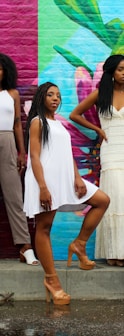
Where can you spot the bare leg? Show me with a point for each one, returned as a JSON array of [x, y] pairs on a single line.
[[99, 203], [42, 240], [44, 251]]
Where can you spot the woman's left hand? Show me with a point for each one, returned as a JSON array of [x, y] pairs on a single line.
[[21, 163], [80, 187]]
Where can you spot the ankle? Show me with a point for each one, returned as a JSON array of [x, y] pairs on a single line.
[[80, 246], [53, 281], [81, 242], [26, 247]]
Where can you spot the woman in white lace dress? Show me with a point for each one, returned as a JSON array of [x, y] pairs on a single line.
[[109, 100]]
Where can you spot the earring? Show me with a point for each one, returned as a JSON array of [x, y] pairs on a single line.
[[113, 79]]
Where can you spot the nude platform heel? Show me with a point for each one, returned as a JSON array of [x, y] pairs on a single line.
[[85, 263], [59, 297]]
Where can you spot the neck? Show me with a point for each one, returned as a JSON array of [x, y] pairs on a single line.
[[50, 116], [119, 87]]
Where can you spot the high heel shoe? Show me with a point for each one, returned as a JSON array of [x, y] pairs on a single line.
[[85, 263], [59, 297], [29, 257]]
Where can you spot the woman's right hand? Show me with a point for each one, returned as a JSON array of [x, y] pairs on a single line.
[[102, 135], [45, 198]]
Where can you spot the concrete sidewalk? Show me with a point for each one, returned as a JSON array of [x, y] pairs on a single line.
[[26, 282]]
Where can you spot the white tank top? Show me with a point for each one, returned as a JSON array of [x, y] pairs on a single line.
[[7, 112]]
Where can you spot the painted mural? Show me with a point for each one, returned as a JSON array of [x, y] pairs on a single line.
[[65, 42], [81, 34]]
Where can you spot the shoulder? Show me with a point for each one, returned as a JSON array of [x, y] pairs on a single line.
[[36, 124], [91, 98], [94, 94], [14, 94]]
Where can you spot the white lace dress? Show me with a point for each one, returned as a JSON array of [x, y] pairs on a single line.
[[110, 232], [57, 161]]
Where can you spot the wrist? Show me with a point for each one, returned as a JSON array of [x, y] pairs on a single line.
[[22, 153], [42, 186]]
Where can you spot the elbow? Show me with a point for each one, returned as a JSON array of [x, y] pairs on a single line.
[[34, 158], [71, 116]]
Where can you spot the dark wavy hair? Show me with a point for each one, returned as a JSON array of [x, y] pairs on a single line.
[[106, 84], [38, 109], [9, 72]]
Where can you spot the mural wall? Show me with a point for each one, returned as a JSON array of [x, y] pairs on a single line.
[[65, 42], [18, 39]]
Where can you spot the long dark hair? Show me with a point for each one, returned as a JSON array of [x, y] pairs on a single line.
[[38, 109], [106, 84], [9, 80]]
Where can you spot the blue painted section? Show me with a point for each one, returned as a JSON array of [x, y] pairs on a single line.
[[65, 228]]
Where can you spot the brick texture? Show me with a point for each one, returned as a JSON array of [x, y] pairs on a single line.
[[19, 40]]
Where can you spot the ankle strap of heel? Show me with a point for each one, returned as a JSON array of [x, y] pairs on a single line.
[[82, 242], [50, 275]]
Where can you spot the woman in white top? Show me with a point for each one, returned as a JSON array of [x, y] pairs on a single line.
[[11, 164], [52, 182], [109, 100]]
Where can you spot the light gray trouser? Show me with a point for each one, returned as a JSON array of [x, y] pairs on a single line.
[[12, 188]]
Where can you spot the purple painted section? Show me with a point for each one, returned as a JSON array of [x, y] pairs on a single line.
[[19, 37]]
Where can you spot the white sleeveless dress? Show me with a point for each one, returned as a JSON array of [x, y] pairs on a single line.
[[110, 231], [57, 161], [7, 112]]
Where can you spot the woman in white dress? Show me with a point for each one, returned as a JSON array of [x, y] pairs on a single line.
[[52, 182], [109, 100]]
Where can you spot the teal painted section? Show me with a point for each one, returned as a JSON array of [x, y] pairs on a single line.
[[65, 228]]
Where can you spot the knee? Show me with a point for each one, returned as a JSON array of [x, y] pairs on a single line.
[[43, 227], [106, 200], [102, 199]]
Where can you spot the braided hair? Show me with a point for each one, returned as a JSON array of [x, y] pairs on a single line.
[[38, 109], [106, 84]]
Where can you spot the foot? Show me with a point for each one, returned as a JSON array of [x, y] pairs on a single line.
[[25, 247], [53, 281], [79, 248], [27, 255], [111, 262], [54, 289], [120, 263], [115, 262]]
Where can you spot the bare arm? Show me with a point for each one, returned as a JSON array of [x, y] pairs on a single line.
[[35, 150], [77, 114], [18, 132]]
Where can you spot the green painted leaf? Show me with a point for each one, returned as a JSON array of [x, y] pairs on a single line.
[[114, 28], [119, 47], [87, 14], [72, 59]]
